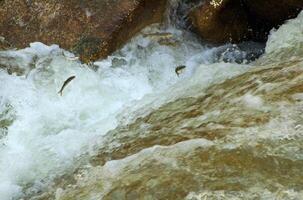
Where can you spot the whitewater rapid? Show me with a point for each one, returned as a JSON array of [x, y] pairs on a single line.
[[44, 133]]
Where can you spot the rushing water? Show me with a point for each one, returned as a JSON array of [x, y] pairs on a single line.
[[44, 136]]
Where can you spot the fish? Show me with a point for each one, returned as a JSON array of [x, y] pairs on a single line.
[[158, 35], [179, 69], [65, 84], [70, 58], [168, 42]]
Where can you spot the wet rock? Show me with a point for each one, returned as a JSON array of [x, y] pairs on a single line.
[[12, 64], [7, 116], [267, 14], [93, 29], [272, 12], [221, 21], [118, 62], [4, 45], [242, 53]]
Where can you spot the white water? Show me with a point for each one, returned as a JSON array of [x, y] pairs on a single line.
[[49, 132]]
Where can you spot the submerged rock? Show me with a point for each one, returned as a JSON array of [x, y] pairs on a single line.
[[93, 29], [7, 116], [223, 21], [245, 52]]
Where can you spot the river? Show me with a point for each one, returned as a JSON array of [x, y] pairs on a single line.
[[128, 127]]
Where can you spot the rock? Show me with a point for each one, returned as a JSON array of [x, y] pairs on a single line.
[[4, 44], [273, 12], [244, 52], [92, 29], [267, 14], [221, 21]]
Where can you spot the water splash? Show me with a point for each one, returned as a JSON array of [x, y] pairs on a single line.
[[49, 132], [251, 146]]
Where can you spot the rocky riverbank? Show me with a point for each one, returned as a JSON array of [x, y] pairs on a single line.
[[95, 29]]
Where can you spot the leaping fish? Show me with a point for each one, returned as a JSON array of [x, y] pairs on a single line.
[[65, 84], [179, 69], [159, 35], [69, 57]]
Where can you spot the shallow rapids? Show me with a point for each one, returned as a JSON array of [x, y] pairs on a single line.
[[187, 125]]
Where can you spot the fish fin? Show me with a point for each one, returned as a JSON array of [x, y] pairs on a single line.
[[60, 92]]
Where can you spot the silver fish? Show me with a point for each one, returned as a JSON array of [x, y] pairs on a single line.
[[65, 84]]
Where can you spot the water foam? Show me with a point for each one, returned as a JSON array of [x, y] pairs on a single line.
[[50, 132], [286, 42]]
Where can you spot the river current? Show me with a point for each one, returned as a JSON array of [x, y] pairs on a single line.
[[45, 136]]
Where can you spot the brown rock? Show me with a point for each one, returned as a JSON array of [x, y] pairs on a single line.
[[93, 29], [221, 21], [4, 44]]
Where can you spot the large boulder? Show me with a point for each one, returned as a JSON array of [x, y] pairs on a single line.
[[267, 14], [223, 21], [93, 29], [273, 12]]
